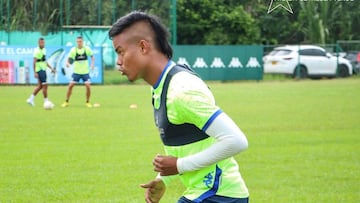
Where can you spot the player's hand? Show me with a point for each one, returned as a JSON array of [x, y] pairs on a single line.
[[36, 75], [67, 64], [155, 189], [53, 70], [165, 165]]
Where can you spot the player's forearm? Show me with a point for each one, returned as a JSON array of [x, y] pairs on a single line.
[[92, 61], [166, 179], [230, 141], [34, 65], [69, 61]]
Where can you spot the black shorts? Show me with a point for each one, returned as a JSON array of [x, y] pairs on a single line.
[[217, 198], [84, 77], [42, 76]]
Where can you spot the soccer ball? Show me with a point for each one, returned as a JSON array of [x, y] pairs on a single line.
[[48, 105]]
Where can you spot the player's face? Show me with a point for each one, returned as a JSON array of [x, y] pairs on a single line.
[[130, 60], [79, 42], [41, 43]]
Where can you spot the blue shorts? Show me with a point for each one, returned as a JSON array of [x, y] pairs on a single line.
[[216, 199], [42, 76], [84, 77]]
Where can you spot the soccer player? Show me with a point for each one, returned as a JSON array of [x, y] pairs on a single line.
[[79, 55], [200, 140], [40, 64]]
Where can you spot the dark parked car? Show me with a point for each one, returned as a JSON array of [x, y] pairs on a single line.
[[354, 58]]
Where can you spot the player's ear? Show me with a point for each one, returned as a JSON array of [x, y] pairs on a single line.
[[144, 46]]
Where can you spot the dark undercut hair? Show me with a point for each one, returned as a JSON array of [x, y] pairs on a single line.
[[160, 32]]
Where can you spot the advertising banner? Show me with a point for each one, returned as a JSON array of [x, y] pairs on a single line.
[[16, 65], [237, 62]]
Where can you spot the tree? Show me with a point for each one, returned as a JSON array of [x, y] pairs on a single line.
[[315, 16], [327, 22], [215, 22]]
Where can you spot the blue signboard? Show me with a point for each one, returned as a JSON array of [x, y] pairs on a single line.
[[16, 65]]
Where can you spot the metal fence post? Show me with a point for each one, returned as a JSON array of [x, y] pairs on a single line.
[[61, 21], [34, 14], [173, 22], [337, 58], [133, 5], [8, 21], [99, 12], [298, 64], [68, 14]]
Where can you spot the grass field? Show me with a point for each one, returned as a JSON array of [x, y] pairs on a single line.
[[303, 142]]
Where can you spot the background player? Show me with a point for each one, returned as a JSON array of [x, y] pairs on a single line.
[[79, 55], [40, 64]]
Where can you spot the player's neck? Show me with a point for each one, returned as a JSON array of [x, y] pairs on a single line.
[[154, 71]]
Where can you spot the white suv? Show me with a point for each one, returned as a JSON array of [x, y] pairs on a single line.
[[304, 61]]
